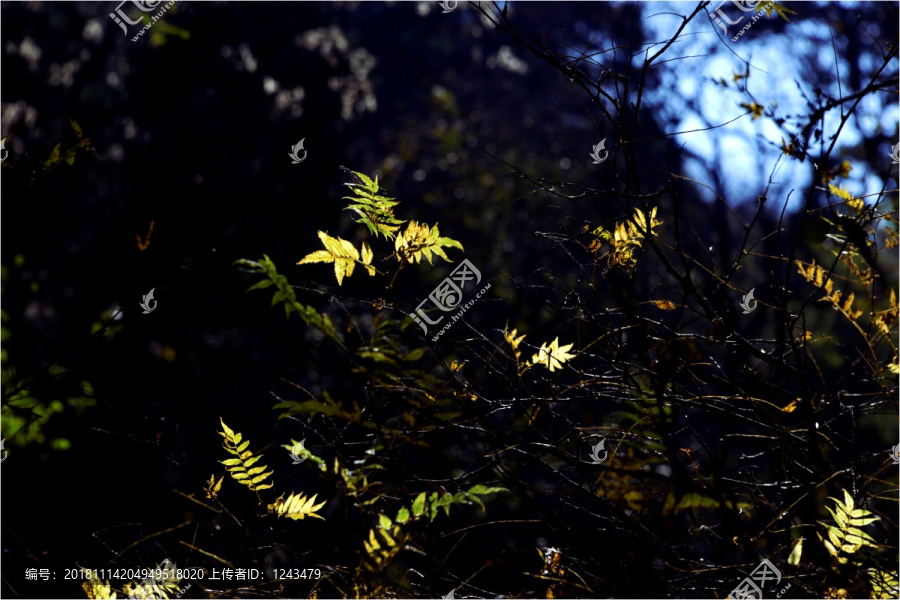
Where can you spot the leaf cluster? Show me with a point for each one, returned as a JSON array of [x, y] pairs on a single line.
[[418, 241], [846, 537], [241, 466], [624, 239], [285, 293], [387, 539], [375, 211]]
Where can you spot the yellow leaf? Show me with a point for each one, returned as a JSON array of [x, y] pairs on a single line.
[[794, 558], [754, 108], [367, 258], [791, 407], [664, 304], [239, 468], [340, 252], [512, 339], [789, 149], [212, 488], [844, 169], [296, 507], [840, 192], [99, 590], [419, 240], [769, 6], [228, 430], [552, 356]]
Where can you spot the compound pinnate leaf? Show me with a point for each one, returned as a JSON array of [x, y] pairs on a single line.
[[375, 210], [342, 254], [296, 507], [420, 241], [240, 467]]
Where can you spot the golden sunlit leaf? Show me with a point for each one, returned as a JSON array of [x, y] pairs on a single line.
[[367, 256], [794, 558], [240, 467], [513, 340], [296, 507], [769, 6], [755, 109], [419, 240], [792, 406], [341, 253], [212, 488], [844, 169], [664, 304], [97, 589], [552, 356], [375, 210], [789, 149]]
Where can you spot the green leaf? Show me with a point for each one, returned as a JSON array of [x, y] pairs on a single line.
[[418, 506], [414, 355], [837, 516], [228, 430], [481, 490], [858, 536], [432, 505], [444, 502], [794, 558], [384, 522], [402, 515], [261, 285], [848, 501], [375, 211], [863, 522], [834, 534]]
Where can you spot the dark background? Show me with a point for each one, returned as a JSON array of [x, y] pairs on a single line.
[[186, 135]]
